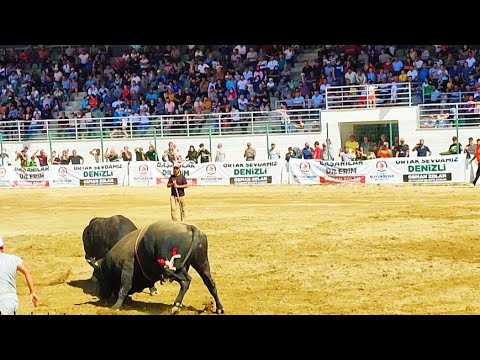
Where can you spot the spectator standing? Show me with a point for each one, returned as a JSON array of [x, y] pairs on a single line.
[[249, 153], [220, 155], [477, 157], [96, 155], [76, 159], [203, 154], [273, 152], [421, 149], [126, 154]]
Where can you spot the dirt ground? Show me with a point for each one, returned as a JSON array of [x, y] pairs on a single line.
[[332, 249]]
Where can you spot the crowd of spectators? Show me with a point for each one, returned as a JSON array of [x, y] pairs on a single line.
[[191, 81], [144, 81]]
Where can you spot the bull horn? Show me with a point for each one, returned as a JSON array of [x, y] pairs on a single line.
[[94, 263]]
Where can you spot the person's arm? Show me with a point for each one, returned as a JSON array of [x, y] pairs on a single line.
[[184, 185], [29, 278], [170, 182], [82, 160]]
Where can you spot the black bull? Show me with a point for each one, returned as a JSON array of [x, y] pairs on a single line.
[[142, 258], [102, 233]]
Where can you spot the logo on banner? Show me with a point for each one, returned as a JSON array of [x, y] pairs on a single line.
[[382, 166], [304, 166], [3, 171], [62, 171], [211, 169], [143, 169]]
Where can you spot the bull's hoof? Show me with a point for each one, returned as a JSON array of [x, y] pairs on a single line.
[[153, 291], [175, 310], [219, 311], [116, 306]]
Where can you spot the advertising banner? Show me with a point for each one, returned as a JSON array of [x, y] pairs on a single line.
[[30, 177], [434, 169], [149, 173], [89, 175]]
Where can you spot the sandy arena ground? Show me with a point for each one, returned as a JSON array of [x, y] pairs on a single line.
[[338, 249]]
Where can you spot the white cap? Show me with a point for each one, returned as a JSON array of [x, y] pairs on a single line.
[[1, 241]]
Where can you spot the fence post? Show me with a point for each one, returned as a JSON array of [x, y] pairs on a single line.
[[101, 138], [20, 131], [47, 122], [391, 133], [50, 144], [328, 147], [161, 126], [409, 94], [251, 120], [155, 142], [458, 140], [210, 140], [1, 147], [326, 98], [76, 127], [268, 143]]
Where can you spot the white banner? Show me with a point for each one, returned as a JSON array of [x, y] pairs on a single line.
[[89, 175], [433, 169], [13, 176], [148, 173], [318, 171]]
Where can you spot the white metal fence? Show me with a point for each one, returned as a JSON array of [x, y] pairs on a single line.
[[233, 123], [446, 115], [368, 96]]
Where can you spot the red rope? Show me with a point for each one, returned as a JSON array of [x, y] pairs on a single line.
[[140, 237]]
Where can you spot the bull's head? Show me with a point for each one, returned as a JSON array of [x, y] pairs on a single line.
[[95, 263], [105, 290]]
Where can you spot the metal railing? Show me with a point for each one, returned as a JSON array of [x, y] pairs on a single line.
[[368, 96], [445, 115], [451, 96], [307, 104], [232, 123]]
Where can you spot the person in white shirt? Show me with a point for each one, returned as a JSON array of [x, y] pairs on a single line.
[[9, 265], [220, 155], [273, 152]]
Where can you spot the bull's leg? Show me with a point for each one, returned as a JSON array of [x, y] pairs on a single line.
[[126, 284], [204, 272], [184, 280], [153, 290]]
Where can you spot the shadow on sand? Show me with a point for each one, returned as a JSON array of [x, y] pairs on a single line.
[[151, 308], [87, 286]]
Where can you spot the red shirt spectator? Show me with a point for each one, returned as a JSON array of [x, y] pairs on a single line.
[[318, 152]]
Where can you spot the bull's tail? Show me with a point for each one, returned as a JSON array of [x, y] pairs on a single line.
[[193, 246]]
